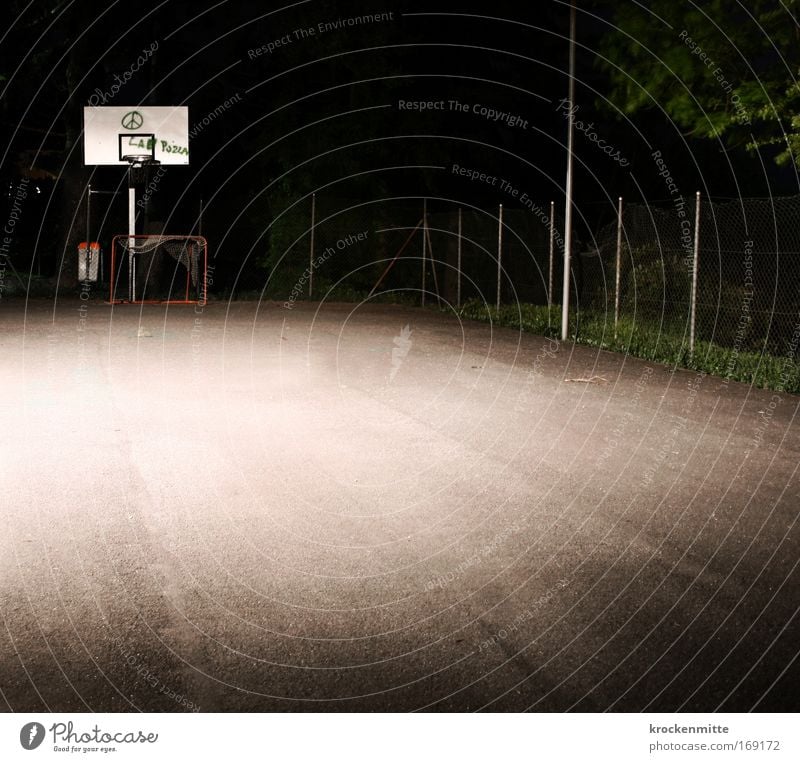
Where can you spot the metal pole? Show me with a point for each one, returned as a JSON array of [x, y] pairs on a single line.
[[432, 258], [88, 232], [552, 254], [424, 243], [618, 264], [695, 262], [311, 248], [568, 207], [131, 238], [88, 212], [395, 258], [458, 283], [499, 253]]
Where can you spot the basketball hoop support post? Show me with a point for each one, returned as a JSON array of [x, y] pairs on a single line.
[[131, 237], [134, 161]]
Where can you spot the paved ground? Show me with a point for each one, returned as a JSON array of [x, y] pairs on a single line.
[[254, 508]]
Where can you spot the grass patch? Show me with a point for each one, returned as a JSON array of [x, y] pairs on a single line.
[[662, 343]]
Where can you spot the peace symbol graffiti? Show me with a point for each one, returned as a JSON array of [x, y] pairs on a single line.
[[133, 120]]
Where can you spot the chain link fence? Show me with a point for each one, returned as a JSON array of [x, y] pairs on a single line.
[[721, 272], [423, 250], [693, 270]]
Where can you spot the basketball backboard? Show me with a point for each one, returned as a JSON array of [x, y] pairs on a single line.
[[112, 132]]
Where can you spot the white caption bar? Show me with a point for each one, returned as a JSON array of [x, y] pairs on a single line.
[[401, 737]]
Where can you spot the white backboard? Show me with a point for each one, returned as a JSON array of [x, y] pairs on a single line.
[[109, 131]]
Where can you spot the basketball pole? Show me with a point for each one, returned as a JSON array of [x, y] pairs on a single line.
[[131, 235], [88, 212], [568, 208], [552, 252]]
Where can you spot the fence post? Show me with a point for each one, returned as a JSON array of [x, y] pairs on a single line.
[[618, 264], [458, 268], [552, 252], [695, 262], [499, 253], [311, 248], [568, 185], [424, 243]]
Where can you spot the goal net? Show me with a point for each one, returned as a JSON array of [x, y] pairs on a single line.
[[158, 269]]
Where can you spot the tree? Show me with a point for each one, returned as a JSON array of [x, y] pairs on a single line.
[[719, 69]]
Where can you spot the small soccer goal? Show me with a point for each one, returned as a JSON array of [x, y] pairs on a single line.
[[158, 269]]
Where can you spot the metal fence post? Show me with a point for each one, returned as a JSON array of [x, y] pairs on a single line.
[[458, 268], [499, 253], [568, 186], [618, 263], [552, 253], [695, 262], [424, 243], [311, 247]]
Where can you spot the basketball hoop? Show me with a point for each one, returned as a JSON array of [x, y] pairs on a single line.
[[140, 137], [139, 165]]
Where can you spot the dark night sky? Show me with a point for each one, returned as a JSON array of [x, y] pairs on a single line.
[[335, 96]]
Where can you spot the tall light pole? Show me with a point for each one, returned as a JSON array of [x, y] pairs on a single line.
[[568, 209]]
